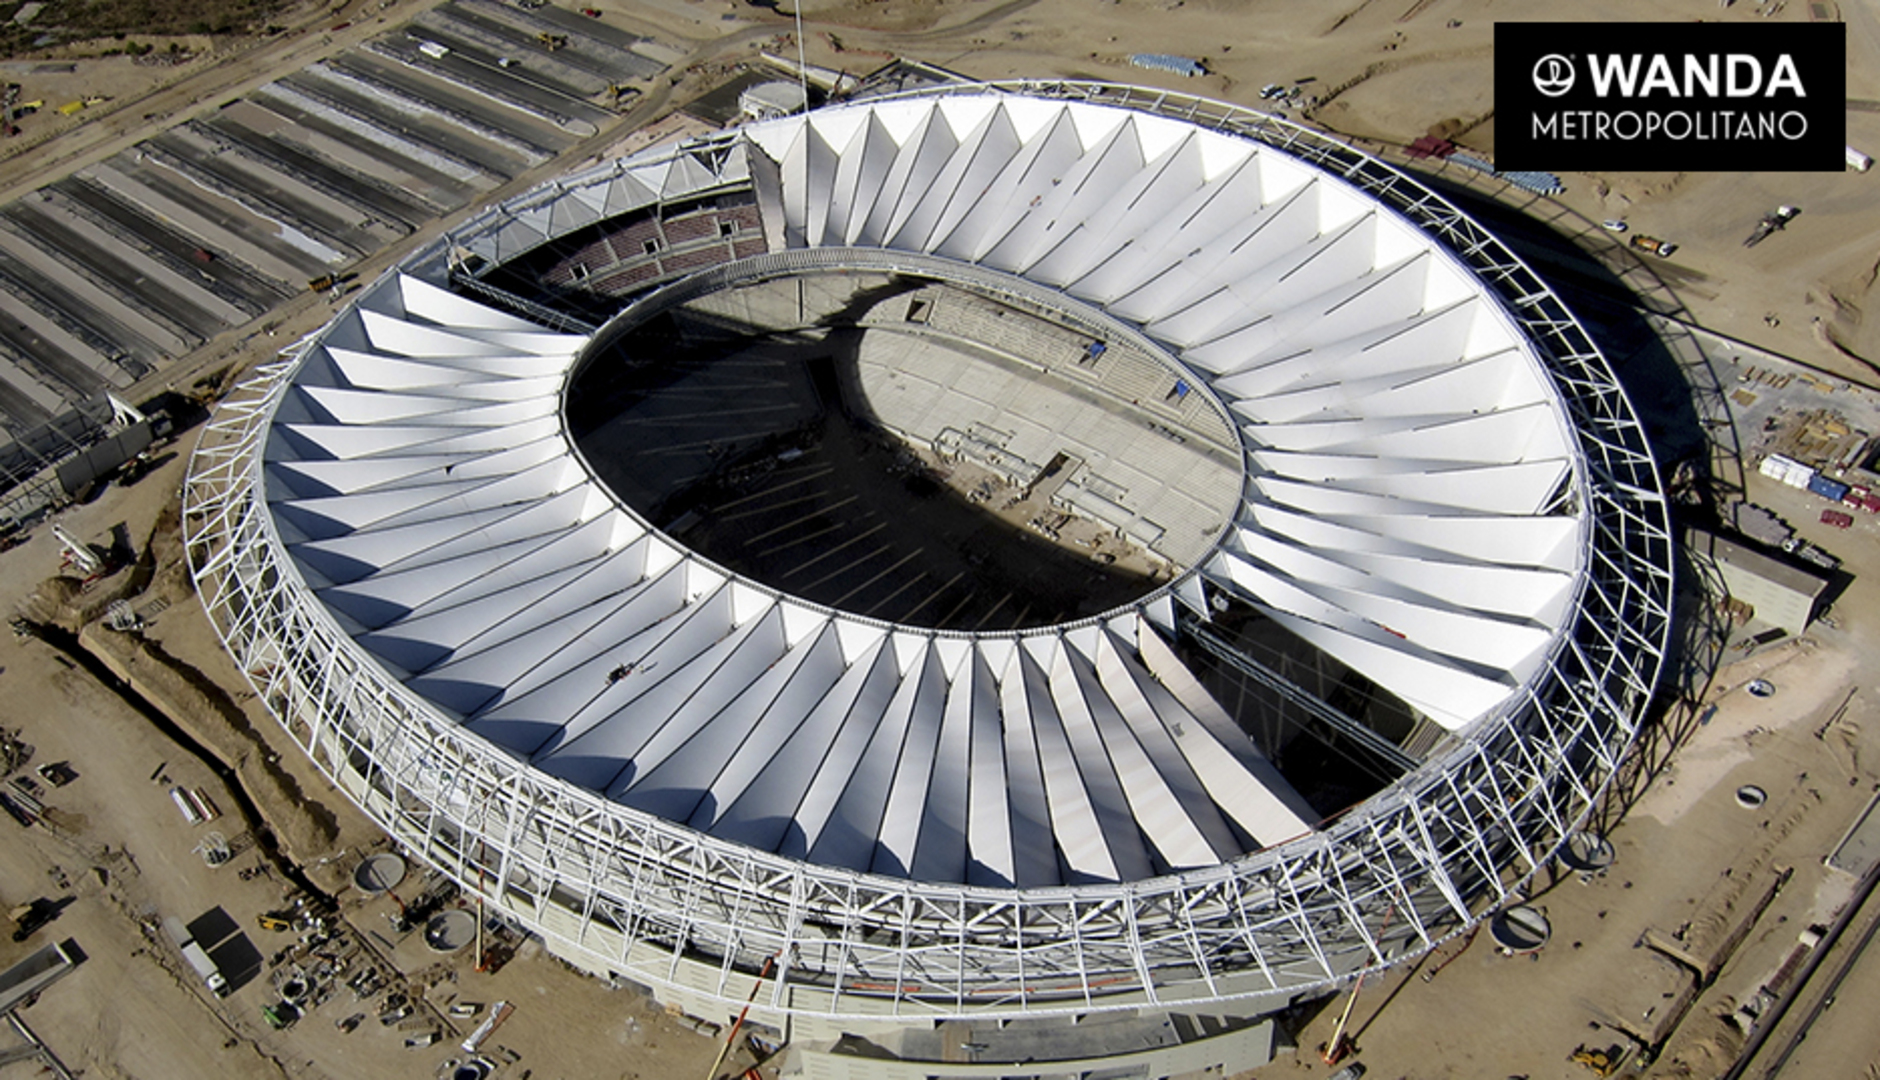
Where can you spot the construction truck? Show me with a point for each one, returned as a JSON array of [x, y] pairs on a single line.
[[551, 42], [1601, 1062], [28, 918], [197, 957], [1772, 222], [1651, 245]]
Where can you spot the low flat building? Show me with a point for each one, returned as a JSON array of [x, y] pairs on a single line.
[[1780, 593]]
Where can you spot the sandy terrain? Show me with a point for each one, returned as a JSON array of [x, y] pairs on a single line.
[[1692, 866], [123, 853], [1688, 856], [1389, 72], [1393, 70]]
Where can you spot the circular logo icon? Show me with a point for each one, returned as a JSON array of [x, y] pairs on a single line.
[[1553, 74]]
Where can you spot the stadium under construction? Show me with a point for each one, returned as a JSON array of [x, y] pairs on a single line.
[[1011, 578]]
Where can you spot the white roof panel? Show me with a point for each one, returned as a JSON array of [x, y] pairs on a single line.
[[1405, 446]]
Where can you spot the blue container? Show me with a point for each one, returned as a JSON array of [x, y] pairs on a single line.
[[1832, 490], [1180, 65]]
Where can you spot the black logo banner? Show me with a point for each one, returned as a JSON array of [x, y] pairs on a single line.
[[1682, 97]]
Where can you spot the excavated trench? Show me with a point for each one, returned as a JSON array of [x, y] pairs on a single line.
[[67, 644]]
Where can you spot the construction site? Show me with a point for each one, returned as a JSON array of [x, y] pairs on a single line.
[[559, 541]]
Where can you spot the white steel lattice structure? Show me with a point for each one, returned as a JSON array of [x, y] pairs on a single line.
[[1446, 490]]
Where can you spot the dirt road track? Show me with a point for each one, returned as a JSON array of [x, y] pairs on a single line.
[[1772, 1051], [34, 163]]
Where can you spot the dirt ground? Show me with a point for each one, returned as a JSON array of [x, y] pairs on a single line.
[[1386, 72], [1692, 865], [122, 854], [1382, 72], [1398, 67], [1390, 70]]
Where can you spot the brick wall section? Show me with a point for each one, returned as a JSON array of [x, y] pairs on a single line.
[[618, 262], [695, 227], [630, 243], [710, 255], [745, 215], [624, 279]]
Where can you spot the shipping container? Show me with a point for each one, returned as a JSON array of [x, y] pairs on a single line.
[[1779, 467], [1827, 487], [191, 812], [1179, 65], [1836, 518]]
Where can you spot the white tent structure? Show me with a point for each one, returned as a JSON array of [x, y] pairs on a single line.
[[673, 773]]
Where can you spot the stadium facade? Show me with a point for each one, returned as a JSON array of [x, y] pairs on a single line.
[[1069, 835]]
